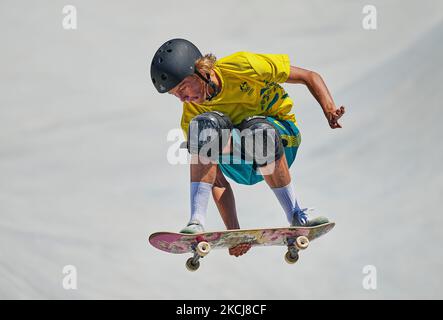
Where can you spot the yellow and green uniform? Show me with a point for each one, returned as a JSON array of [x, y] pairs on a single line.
[[250, 85]]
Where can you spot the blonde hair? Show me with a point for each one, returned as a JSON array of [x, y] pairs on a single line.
[[206, 63]]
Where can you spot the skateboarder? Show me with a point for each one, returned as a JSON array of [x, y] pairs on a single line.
[[231, 101]]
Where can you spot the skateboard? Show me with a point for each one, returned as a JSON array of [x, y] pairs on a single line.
[[200, 244]]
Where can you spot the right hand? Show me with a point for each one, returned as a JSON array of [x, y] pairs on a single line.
[[239, 249]]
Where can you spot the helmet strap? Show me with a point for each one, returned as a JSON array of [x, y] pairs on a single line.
[[209, 82]]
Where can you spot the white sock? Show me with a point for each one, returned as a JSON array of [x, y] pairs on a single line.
[[200, 192], [287, 199]]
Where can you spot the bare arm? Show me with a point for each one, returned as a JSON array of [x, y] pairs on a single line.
[[320, 91], [224, 199]]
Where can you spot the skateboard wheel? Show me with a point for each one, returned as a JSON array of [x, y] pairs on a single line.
[[290, 258], [302, 242], [191, 266], [203, 248]]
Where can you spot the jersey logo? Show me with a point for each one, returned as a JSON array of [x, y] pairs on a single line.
[[244, 87]]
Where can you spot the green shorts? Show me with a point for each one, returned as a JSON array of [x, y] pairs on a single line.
[[244, 172]]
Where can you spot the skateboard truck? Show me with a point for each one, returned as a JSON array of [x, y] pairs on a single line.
[[201, 248], [294, 246]]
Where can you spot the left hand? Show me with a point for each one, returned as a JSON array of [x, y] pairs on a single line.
[[239, 249], [333, 115]]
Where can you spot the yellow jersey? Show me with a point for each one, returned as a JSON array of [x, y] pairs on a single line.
[[249, 86]]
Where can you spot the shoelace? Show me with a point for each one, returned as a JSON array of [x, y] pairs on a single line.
[[192, 223], [303, 216]]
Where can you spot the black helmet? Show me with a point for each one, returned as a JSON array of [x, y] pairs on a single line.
[[173, 61]]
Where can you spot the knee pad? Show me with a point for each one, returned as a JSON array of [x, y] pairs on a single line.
[[260, 141], [209, 133]]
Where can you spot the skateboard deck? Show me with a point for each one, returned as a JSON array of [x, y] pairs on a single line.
[[295, 238]]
